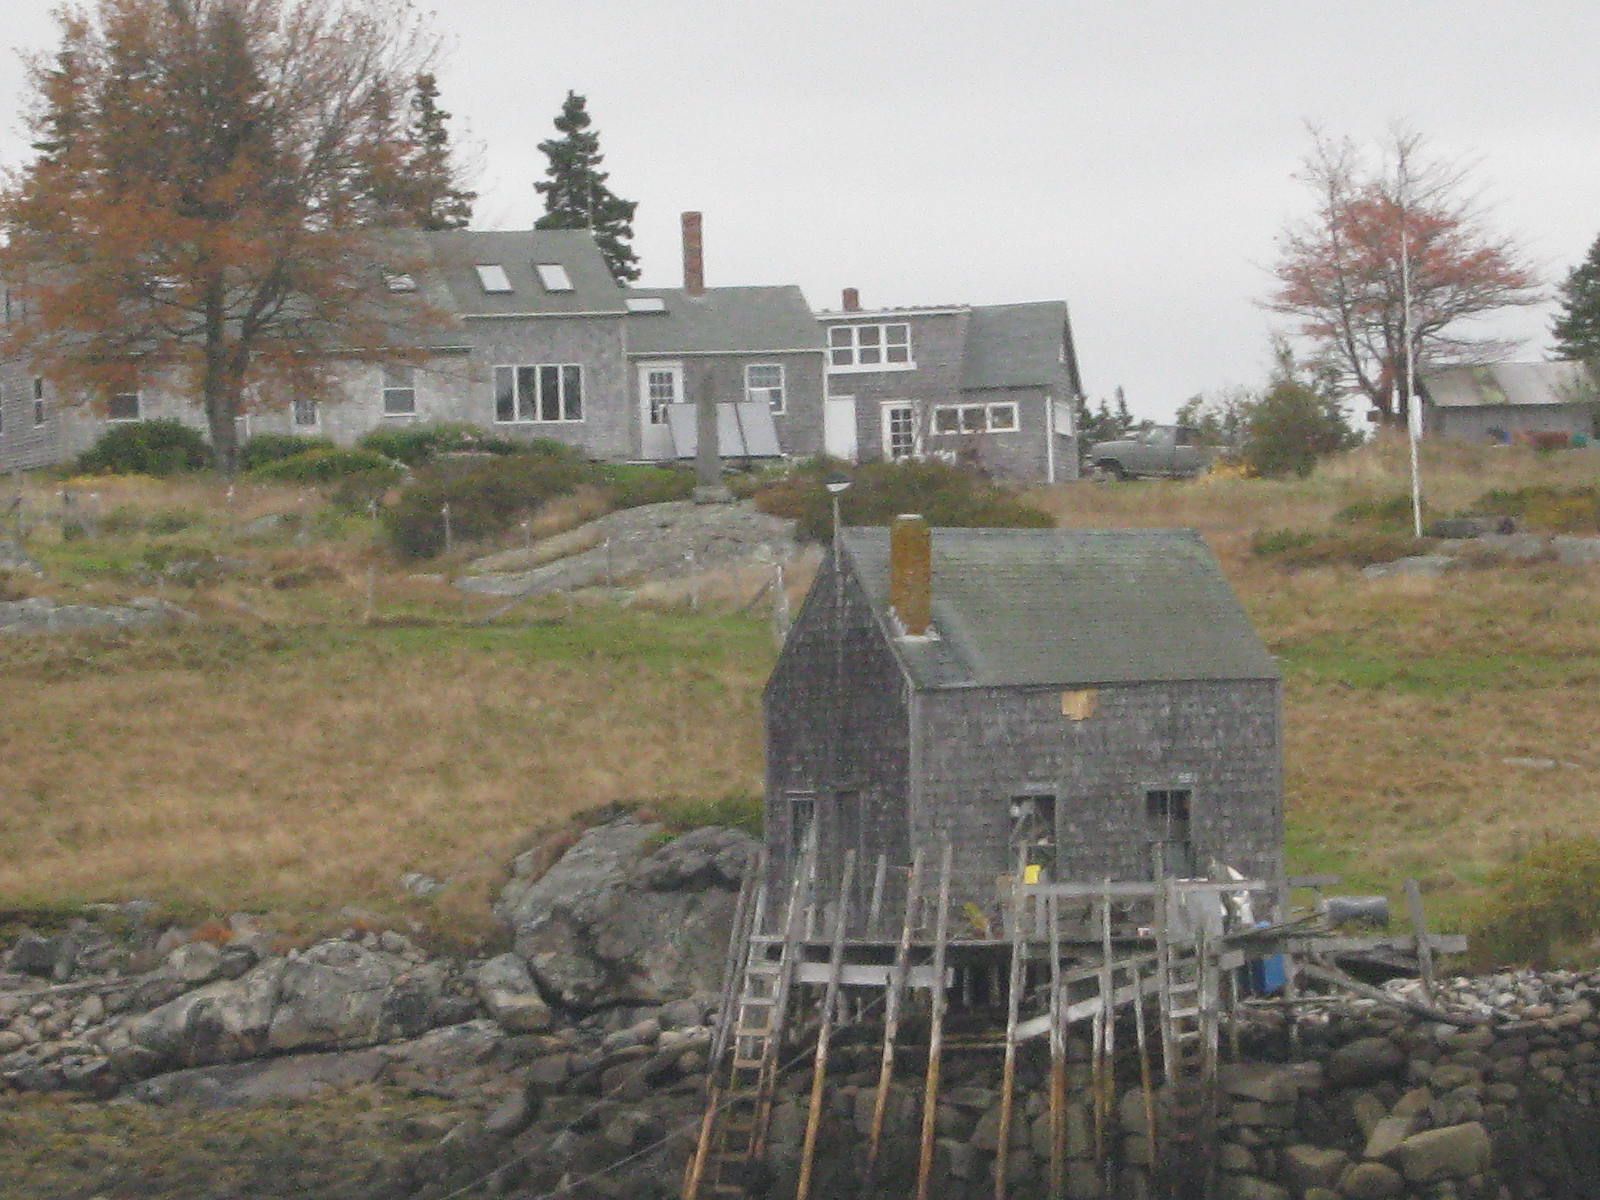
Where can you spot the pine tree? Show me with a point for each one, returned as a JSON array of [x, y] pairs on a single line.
[[576, 195], [437, 203], [1577, 326]]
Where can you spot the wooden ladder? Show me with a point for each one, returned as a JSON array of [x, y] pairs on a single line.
[[1187, 986], [733, 1133]]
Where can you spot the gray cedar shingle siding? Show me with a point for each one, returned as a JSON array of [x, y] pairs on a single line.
[[936, 737]]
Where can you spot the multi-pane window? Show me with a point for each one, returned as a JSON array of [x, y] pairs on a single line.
[[399, 390], [304, 413], [870, 347], [661, 389], [899, 431], [545, 392], [975, 418], [38, 399], [123, 406], [764, 381]]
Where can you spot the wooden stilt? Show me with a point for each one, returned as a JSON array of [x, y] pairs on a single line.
[[1008, 1073], [1419, 928], [1097, 1082], [1146, 1086], [891, 1011], [1108, 1035], [1058, 1059], [875, 907], [930, 1090], [830, 1003], [1290, 984], [1233, 1015]]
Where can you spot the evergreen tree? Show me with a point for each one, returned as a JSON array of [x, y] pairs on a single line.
[[576, 195], [1577, 326], [436, 201]]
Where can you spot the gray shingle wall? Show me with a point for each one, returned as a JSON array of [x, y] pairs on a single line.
[[1473, 424], [1021, 456], [819, 698], [721, 376], [23, 444], [937, 341], [980, 747]]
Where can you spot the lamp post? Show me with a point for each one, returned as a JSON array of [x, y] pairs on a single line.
[[837, 485]]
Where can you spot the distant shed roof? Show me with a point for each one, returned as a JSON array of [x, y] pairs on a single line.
[[1541, 383], [729, 320], [1037, 607], [1015, 345], [457, 253]]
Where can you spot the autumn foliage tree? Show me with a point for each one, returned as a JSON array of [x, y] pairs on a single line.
[[218, 190], [1339, 270]]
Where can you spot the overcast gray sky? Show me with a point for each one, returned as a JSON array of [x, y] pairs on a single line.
[[1133, 158]]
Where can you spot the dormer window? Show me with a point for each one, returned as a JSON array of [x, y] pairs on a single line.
[[493, 278], [399, 281], [554, 277], [643, 304]]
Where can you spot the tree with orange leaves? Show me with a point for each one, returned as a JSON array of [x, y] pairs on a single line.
[[218, 196], [1340, 270]]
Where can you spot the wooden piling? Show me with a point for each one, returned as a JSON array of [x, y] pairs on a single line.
[[891, 1010], [1419, 928], [930, 1089], [1058, 1059], [830, 1002], [1146, 1085], [1106, 1060], [875, 908], [1008, 1073], [1290, 987]]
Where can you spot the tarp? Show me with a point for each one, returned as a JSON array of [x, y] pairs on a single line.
[[744, 430]]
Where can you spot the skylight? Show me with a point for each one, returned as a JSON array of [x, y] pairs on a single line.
[[646, 304], [493, 277], [399, 281], [554, 277]]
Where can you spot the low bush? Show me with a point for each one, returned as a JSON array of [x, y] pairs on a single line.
[[163, 447], [680, 815], [1542, 908], [331, 465], [485, 496], [1387, 512], [419, 445], [947, 496], [633, 486], [266, 448], [1544, 507], [1305, 548], [126, 519]]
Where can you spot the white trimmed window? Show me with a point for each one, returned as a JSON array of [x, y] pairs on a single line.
[[546, 393], [870, 347], [975, 418], [38, 400], [123, 406], [764, 381], [663, 388], [399, 391], [305, 414]]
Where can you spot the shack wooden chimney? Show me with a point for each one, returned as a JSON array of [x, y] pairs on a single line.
[[852, 300], [911, 574], [694, 266]]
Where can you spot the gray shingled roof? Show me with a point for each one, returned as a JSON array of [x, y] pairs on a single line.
[[457, 251], [1014, 345], [732, 320], [1043, 607], [1541, 383]]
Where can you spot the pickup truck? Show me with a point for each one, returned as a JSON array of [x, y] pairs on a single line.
[[1168, 451]]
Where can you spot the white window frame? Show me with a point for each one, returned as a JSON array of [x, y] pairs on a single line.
[[885, 428], [774, 394], [138, 408], [492, 278], [875, 341], [657, 409], [977, 418], [38, 401], [527, 406], [553, 276], [296, 425], [390, 374]]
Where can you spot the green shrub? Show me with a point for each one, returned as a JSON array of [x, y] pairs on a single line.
[[1543, 907], [329, 466], [266, 448], [125, 519], [1388, 512], [947, 496], [164, 447], [632, 486], [1303, 548], [1544, 507], [1292, 426], [419, 445], [486, 497], [740, 811]]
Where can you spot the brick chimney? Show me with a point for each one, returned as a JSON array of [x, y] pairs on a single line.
[[852, 300], [911, 574], [694, 266]]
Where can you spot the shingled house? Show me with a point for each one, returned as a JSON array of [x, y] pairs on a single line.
[[1083, 697]]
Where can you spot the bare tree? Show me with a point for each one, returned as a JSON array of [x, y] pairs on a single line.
[[1339, 270]]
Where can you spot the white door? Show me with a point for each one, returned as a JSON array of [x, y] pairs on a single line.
[[660, 384], [839, 427], [901, 438]]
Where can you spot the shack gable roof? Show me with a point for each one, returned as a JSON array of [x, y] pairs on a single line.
[[1015, 345], [1541, 383], [457, 253], [1034, 608], [725, 320]]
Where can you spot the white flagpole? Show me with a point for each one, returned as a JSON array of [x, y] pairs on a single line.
[[1413, 404]]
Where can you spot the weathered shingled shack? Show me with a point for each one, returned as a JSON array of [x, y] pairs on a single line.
[[1080, 697]]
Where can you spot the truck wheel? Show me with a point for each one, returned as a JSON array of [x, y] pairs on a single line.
[[1109, 470]]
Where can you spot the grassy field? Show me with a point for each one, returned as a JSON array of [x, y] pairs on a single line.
[[286, 753]]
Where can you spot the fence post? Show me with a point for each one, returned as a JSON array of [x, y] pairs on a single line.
[[449, 537]]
